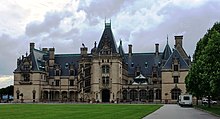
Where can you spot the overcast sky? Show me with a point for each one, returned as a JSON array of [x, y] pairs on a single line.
[[66, 24]]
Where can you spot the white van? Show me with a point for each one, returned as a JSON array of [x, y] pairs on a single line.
[[185, 100]]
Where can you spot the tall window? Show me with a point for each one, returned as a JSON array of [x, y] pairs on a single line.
[[71, 82], [18, 94], [143, 94], [175, 93], [158, 94], [72, 72], [124, 93], [34, 94], [175, 79], [133, 95], [105, 69], [105, 80], [57, 83], [57, 72], [175, 67], [26, 77]]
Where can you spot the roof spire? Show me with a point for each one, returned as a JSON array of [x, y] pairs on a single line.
[[108, 25]]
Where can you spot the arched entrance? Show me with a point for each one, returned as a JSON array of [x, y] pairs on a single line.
[[105, 95]]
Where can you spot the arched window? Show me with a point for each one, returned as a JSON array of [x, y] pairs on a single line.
[[105, 69], [158, 94], [125, 92], [151, 95], [143, 94], [133, 95], [18, 94], [175, 93]]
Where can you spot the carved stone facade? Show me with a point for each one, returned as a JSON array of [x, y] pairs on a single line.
[[106, 74]]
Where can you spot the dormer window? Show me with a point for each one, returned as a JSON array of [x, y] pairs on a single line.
[[57, 72], [146, 64], [176, 68], [132, 64], [67, 66]]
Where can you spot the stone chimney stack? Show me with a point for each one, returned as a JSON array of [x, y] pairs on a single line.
[[32, 45], [51, 56], [157, 49], [178, 40], [130, 49]]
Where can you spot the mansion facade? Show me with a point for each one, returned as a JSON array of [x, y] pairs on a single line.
[[104, 74]]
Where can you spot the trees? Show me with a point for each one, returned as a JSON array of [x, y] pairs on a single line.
[[203, 78], [6, 91]]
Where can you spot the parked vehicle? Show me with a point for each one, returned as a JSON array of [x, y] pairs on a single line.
[[185, 100], [206, 101]]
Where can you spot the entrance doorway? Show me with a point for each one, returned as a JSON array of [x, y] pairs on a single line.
[[105, 95]]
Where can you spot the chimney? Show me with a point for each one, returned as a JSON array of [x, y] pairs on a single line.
[[157, 49], [31, 47], [178, 40], [51, 56], [83, 51], [130, 49], [51, 53]]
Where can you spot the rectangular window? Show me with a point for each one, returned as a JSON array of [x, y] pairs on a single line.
[[17, 95], [26, 77], [57, 73], [71, 82], [72, 73], [176, 79], [154, 75], [175, 67], [57, 83]]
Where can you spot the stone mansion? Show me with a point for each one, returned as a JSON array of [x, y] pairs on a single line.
[[104, 74]]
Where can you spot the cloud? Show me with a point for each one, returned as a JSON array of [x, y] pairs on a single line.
[[6, 80], [69, 23]]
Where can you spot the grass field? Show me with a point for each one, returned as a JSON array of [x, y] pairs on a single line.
[[214, 108], [75, 111]]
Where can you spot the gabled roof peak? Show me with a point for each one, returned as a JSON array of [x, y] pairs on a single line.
[[107, 43]]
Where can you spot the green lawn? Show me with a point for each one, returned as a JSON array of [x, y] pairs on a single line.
[[75, 111], [214, 108]]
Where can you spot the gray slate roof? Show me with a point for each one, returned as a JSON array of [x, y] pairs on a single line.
[[107, 35], [143, 60], [175, 54]]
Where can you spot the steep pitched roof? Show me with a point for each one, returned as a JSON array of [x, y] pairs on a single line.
[[175, 54], [120, 49], [37, 59], [167, 52], [66, 59], [143, 60], [181, 51], [107, 40]]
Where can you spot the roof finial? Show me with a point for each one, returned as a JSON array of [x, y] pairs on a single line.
[[105, 19], [167, 38], [120, 42]]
